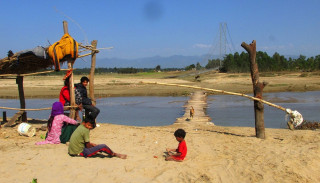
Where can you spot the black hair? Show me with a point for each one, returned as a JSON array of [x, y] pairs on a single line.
[[49, 125], [84, 78], [66, 82], [180, 133], [91, 120]]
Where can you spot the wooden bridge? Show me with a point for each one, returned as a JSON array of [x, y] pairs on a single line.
[[198, 100]]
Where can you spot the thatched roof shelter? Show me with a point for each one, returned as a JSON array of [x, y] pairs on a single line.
[[28, 62], [25, 63]]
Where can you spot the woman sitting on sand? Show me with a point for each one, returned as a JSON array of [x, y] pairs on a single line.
[[55, 123]]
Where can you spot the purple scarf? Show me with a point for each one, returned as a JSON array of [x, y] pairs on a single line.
[[57, 108]]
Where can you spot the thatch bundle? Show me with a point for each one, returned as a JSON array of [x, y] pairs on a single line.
[[307, 125], [25, 63]]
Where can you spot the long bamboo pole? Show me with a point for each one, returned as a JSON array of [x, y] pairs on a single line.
[[40, 109], [221, 91]]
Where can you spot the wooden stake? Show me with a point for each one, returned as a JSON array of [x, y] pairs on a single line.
[[257, 89], [93, 66], [71, 84], [19, 81]]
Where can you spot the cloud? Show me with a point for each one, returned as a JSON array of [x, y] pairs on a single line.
[[199, 45]]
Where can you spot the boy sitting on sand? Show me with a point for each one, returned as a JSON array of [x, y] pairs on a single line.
[[180, 153], [80, 144]]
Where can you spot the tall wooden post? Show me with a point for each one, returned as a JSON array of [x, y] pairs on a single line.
[[19, 81], [71, 84], [257, 89], [93, 67]]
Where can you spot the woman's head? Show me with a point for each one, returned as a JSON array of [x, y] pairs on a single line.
[[57, 108]]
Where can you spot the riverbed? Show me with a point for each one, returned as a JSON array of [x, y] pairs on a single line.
[[225, 110]]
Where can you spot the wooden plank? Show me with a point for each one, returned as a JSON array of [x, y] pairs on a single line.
[[14, 119]]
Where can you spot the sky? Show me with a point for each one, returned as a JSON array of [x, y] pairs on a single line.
[[147, 28]]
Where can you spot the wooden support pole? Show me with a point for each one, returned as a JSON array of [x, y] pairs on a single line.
[[93, 67], [71, 84], [257, 89], [65, 27], [4, 116], [19, 81]]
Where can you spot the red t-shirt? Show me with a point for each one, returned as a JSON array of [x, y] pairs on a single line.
[[64, 95], [182, 148]]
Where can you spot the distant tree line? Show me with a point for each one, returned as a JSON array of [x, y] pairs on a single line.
[[240, 63], [126, 70], [233, 63]]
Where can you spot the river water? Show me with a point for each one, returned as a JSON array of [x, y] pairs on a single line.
[[225, 110], [230, 110]]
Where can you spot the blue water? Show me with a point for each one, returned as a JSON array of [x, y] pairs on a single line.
[[133, 111], [225, 110], [230, 110], [141, 111]]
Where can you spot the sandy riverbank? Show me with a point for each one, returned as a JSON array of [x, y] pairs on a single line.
[[111, 85], [215, 153]]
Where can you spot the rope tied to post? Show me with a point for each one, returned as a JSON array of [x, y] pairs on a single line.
[[295, 118]]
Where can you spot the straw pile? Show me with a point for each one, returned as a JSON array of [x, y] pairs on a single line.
[[27, 63]]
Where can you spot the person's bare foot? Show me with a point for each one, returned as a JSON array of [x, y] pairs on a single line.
[[121, 156]]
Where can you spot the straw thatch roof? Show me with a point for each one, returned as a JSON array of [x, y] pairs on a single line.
[[26, 63]]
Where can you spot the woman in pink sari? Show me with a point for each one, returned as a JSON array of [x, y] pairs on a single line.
[[55, 123]]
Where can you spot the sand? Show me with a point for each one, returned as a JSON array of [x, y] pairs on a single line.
[[112, 85], [215, 154]]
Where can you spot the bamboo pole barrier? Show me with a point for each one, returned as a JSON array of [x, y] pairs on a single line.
[[40, 109], [221, 91], [43, 72]]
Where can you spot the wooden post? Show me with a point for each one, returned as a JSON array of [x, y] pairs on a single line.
[[71, 84], [257, 89], [93, 67], [19, 81], [4, 116]]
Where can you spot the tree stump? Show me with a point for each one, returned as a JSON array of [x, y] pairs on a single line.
[[257, 89]]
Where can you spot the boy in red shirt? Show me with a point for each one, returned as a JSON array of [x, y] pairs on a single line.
[[180, 153]]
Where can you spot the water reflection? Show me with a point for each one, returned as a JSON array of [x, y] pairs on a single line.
[[133, 111], [228, 110], [225, 110], [141, 111]]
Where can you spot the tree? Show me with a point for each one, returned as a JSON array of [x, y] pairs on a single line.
[[257, 89], [158, 68], [198, 66], [214, 63], [190, 67]]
